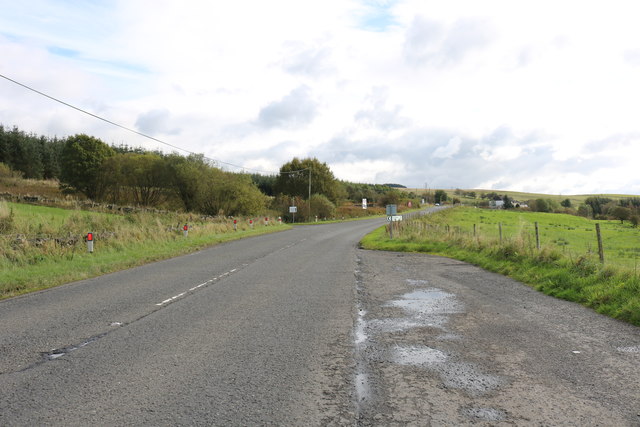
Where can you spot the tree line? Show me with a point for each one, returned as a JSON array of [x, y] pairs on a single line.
[[85, 165], [594, 207]]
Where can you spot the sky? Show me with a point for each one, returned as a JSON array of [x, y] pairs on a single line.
[[537, 96]]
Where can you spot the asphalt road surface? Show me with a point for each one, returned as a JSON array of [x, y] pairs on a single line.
[[304, 328]]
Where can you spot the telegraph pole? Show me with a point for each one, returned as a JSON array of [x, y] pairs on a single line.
[[309, 216]]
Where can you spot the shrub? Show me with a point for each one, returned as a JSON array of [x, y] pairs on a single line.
[[5, 171], [322, 207], [6, 218]]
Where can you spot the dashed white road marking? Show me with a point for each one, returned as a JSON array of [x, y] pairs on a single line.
[[195, 288], [208, 282]]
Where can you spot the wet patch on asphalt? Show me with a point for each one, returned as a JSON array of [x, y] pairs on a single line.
[[421, 307], [437, 348]]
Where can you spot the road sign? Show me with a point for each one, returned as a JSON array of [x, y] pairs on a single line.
[[394, 218], [392, 210], [293, 209]]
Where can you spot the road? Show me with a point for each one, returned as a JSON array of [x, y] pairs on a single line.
[[304, 328]]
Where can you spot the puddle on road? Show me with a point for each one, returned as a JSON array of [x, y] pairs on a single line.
[[423, 302], [458, 375], [423, 307]]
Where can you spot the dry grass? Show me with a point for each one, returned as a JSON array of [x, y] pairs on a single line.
[[46, 246]]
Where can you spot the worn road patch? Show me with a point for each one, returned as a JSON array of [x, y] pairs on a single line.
[[440, 342]]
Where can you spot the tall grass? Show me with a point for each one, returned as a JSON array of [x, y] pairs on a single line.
[[45, 247], [610, 289], [6, 218]]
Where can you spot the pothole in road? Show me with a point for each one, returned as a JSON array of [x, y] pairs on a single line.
[[426, 302], [458, 375]]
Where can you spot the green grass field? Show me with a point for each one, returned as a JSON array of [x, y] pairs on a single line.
[[566, 266], [574, 236]]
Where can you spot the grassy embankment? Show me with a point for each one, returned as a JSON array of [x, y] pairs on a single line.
[[566, 266], [42, 247]]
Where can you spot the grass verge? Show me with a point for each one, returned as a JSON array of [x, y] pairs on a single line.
[[43, 247]]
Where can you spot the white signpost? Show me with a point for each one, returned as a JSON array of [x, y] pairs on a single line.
[[293, 210], [364, 203]]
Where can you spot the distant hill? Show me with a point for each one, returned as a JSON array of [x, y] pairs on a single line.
[[576, 199]]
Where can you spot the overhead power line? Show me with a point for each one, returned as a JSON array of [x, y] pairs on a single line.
[[135, 131]]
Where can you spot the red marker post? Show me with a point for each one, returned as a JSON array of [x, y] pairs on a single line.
[[251, 223], [185, 230], [89, 239], [266, 221], [235, 225]]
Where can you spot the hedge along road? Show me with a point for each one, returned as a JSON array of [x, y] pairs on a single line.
[[303, 328]]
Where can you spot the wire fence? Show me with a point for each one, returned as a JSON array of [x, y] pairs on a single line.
[[606, 241]]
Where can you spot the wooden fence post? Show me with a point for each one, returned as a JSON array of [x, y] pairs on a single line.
[[600, 247], [537, 237], [500, 230]]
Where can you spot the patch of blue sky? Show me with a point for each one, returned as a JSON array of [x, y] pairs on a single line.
[[120, 67], [113, 67], [10, 37], [377, 16], [60, 51]]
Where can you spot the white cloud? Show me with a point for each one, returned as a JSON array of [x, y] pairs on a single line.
[[447, 151], [461, 94], [430, 42], [294, 110]]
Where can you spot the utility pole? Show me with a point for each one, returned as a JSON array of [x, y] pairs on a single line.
[[309, 216]]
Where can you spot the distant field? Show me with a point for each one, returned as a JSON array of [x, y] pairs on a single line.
[[576, 199]]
